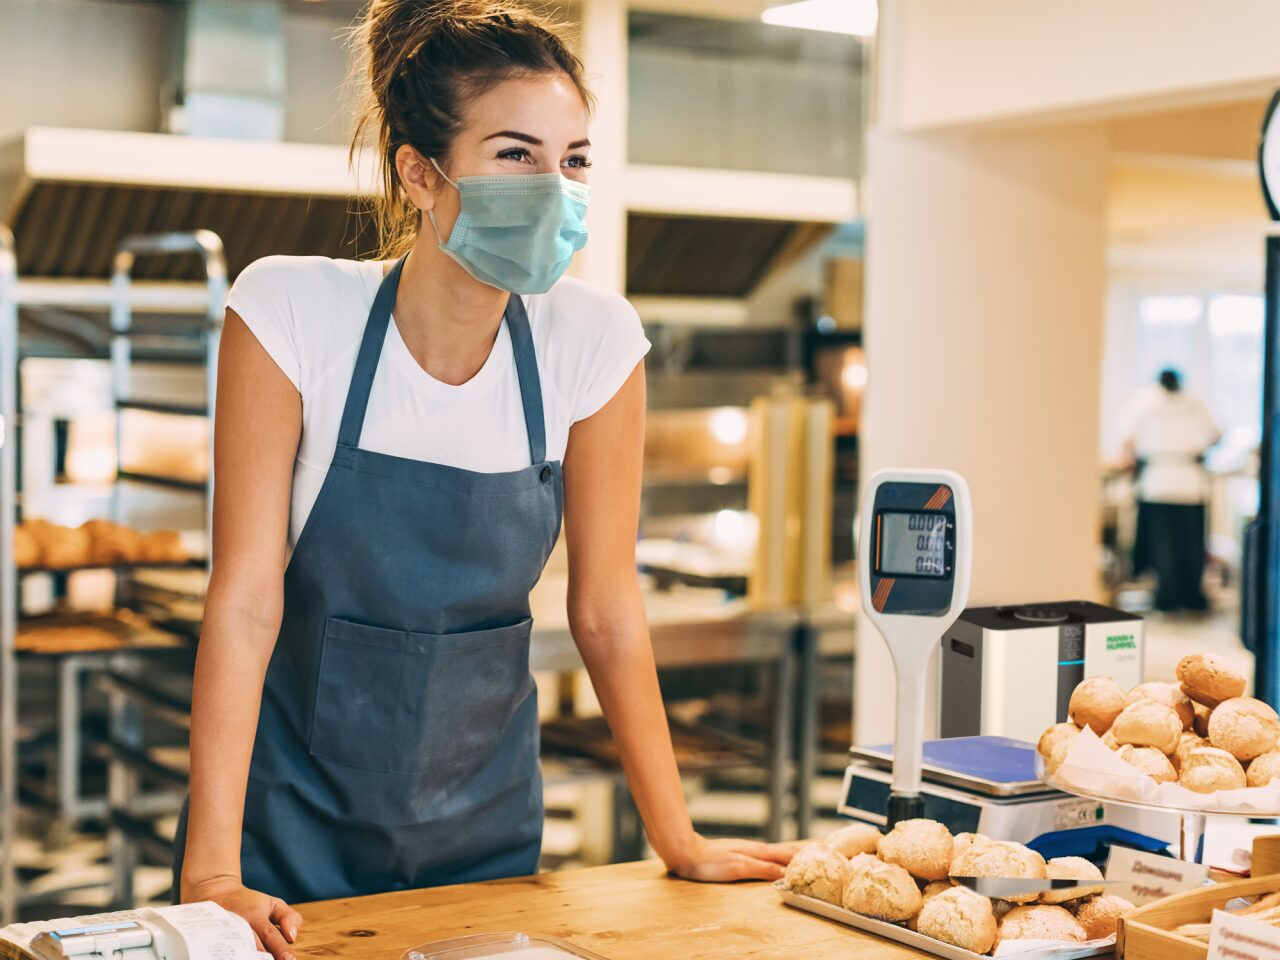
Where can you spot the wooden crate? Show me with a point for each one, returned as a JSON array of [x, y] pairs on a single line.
[[1147, 934]]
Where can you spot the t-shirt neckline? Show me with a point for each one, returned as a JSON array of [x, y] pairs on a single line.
[[402, 356]]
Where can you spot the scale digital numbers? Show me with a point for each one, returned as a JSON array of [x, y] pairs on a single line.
[[913, 544], [931, 541]]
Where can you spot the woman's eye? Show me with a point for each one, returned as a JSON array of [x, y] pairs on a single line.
[[515, 153], [578, 161]]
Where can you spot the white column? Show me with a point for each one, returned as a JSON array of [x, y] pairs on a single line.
[[604, 53], [984, 332]]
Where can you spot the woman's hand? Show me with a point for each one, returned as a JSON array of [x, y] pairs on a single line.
[[275, 924], [723, 861]]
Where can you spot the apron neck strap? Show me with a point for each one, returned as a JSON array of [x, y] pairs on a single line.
[[527, 371], [375, 334]]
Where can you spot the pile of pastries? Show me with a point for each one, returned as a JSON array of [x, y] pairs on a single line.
[[904, 877], [41, 544], [1201, 732]]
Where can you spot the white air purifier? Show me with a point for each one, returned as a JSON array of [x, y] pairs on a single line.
[[1009, 671]]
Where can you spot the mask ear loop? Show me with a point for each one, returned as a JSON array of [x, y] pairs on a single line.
[[431, 214]]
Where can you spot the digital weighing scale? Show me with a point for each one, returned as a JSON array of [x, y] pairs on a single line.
[[988, 785], [914, 556]]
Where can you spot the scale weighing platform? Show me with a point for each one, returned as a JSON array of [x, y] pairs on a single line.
[[988, 785]]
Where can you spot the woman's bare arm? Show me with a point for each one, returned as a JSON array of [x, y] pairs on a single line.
[[602, 470], [256, 432]]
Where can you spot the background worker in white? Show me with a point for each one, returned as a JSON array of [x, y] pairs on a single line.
[[1167, 433]]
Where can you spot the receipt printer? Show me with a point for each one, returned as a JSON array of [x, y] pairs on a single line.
[[1009, 671], [189, 931], [124, 938]]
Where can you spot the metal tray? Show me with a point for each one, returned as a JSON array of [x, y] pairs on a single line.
[[900, 934]]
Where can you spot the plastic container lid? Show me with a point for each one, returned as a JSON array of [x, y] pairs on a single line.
[[509, 946]]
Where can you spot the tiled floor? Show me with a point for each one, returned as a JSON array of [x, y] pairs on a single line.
[[1170, 637]]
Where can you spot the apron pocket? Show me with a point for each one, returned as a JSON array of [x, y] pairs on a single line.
[[393, 701], [458, 691]]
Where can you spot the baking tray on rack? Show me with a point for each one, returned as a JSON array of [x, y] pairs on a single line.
[[62, 633], [117, 567], [698, 748], [909, 938]]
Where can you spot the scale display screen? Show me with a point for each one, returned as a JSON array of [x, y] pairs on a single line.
[[911, 544]]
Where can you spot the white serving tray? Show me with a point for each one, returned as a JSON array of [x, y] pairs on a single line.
[[1023, 949]]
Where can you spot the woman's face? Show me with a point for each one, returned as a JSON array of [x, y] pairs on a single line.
[[527, 125]]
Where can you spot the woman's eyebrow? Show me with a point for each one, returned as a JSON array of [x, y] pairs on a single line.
[[515, 135], [527, 138]]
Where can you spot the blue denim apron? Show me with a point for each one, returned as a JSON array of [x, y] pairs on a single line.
[[397, 745]]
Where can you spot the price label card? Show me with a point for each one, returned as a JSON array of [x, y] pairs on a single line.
[[1233, 937], [1150, 877]]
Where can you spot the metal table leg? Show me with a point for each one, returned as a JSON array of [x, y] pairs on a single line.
[[628, 828], [780, 748], [808, 697], [69, 669], [125, 726]]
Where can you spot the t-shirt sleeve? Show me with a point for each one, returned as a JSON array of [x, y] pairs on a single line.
[[620, 345], [261, 297]]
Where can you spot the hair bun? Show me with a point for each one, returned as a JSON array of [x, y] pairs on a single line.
[[418, 99]]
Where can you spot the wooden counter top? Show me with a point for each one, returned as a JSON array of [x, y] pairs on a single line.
[[629, 911]]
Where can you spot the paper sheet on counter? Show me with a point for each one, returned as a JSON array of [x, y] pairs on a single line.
[[209, 932], [1091, 768]]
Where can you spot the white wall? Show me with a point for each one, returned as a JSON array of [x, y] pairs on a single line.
[[692, 110], [78, 63], [318, 105], [984, 61]]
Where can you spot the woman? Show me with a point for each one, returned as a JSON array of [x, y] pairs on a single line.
[[1167, 433], [414, 428]]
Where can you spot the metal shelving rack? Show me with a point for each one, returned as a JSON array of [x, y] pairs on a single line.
[[130, 830], [120, 299], [208, 246]]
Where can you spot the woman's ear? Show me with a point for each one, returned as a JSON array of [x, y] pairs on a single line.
[[419, 177]]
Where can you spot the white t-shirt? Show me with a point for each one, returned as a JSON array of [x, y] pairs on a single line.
[[1169, 431], [309, 313]]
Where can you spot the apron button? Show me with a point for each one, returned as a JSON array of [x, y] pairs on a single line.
[[545, 475]]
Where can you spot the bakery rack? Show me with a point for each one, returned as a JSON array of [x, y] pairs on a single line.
[[122, 298]]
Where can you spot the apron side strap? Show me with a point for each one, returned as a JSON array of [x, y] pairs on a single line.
[[375, 333], [527, 371]]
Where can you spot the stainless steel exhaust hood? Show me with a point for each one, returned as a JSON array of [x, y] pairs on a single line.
[[70, 196]]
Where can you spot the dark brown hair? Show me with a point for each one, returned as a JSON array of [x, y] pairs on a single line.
[[420, 61]]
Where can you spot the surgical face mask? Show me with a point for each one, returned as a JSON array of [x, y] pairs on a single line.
[[516, 232]]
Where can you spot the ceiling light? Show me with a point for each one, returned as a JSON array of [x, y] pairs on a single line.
[[856, 17]]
